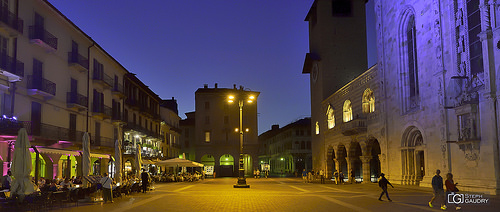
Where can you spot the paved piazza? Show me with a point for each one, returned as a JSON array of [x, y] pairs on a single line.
[[274, 194]]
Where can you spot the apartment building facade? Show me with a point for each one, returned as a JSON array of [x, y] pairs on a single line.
[[58, 83], [214, 139], [286, 150]]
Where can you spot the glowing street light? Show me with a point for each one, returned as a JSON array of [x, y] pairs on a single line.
[[242, 183]]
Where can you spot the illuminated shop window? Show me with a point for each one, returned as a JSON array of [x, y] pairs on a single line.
[[317, 128]]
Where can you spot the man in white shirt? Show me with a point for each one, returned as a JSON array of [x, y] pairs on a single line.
[[107, 190]]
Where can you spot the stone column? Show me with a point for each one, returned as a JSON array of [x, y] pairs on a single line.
[[350, 165], [366, 168]]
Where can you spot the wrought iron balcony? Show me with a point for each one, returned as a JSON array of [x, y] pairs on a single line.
[[11, 68], [12, 21], [78, 61], [102, 78], [55, 133], [117, 90], [132, 103], [353, 127], [116, 116], [10, 126], [102, 111], [41, 37], [101, 141], [40, 86], [76, 100]]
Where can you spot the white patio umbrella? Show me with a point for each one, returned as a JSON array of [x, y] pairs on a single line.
[[138, 159], [118, 161], [21, 165], [85, 157]]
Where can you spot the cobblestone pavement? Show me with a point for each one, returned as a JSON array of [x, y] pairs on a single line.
[[275, 194]]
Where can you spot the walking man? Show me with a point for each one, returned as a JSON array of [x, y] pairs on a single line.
[[352, 176], [304, 176], [383, 185], [145, 180], [437, 186]]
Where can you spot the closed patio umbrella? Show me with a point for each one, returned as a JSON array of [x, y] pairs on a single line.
[[138, 160], [118, 161], [21, 166], [85, 157]]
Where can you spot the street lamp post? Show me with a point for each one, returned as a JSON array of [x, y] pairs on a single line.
[[242, 182]]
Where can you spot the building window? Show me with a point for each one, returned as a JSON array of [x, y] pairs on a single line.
[[347, 111], [368, 101], [317, 128], [330, 117], [207, 119], [341, 7], [410, 92], [207, 105], [207, 136], [474, 28], [226, 119]]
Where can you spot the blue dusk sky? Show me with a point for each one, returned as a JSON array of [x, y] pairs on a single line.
[[177, 46]]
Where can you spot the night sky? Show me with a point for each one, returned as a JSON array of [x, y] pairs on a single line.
[[177, 46]]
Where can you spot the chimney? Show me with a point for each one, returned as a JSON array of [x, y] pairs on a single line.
[[215, 85], [241, 87], [205, 86], [234, 86], [275, 127]]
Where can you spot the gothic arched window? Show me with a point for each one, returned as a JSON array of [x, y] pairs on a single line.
[[368, 101], [347, 111], [330, 117], [410, 92]]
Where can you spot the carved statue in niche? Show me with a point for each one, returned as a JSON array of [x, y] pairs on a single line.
[[460, 44], [459, 20], [462, 68]]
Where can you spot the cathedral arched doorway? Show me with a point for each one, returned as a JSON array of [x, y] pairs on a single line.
[[355, 162], [412, 156]]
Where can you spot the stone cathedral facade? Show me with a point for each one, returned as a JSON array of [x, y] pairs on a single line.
[[431, 101]]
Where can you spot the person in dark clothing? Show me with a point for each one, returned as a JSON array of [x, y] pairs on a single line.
[[145, 181], [437, 186], [383, 184]]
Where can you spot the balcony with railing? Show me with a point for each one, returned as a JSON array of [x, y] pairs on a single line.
[[100, 77], [39, 36], [11, 22], [102, 141], [116, 116], [78, 61], [55, 133], [76, 100], [117, 90], [40, 86], [12, 68], [11, 126], [132, 103], [102, 111], [353, 127]]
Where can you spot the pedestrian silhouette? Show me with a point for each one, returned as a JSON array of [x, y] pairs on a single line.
[[383, 185]]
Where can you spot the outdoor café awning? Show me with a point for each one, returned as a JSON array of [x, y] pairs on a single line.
[[178, 162], [68, 152]]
